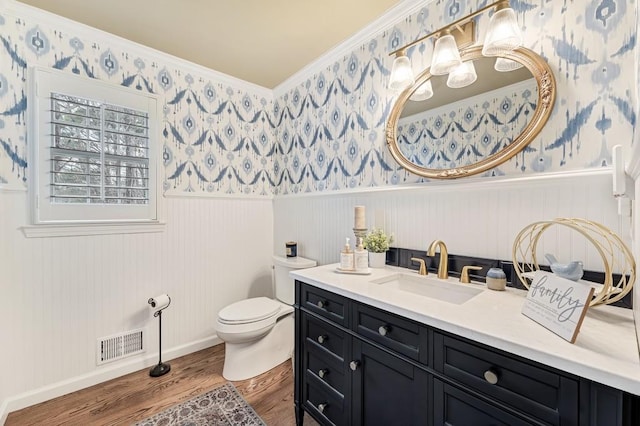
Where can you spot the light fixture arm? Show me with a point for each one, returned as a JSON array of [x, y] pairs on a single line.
[[498, 5]]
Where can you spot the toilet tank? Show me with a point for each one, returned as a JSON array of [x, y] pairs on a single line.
[[285, 290]]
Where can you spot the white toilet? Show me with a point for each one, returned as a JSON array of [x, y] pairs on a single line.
[[259, 332]]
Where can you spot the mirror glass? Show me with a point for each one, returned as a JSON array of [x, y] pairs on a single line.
[[464, 131]]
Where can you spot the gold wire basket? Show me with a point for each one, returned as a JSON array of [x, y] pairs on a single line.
[[615, 255]]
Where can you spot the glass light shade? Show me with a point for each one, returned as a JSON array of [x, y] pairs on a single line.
[[462, 76], [503, 34], [506, 65], [445, 55], [423, 92], [401, 74]]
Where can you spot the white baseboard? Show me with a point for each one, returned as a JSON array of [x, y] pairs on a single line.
[[100, 375], [4, 412]]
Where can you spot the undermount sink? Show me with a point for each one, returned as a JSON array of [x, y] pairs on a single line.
[[433, 288]]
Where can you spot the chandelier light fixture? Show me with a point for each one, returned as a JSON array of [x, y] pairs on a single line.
[[503, 35]]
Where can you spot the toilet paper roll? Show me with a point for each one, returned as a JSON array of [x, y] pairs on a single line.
[[160, 302]]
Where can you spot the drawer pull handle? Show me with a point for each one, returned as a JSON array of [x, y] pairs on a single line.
[[491, 376], [322, 407], [353, 365], [323, 338], [383, 330], [321, 304], [323, 373]]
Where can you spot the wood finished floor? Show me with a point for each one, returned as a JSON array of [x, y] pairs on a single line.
[[136, 396]]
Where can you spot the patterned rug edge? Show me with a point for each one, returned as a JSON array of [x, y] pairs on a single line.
[[223, 405]]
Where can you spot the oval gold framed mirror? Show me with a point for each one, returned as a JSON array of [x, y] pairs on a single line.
[[463, 132]]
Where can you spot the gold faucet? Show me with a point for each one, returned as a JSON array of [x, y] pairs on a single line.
[[443, 267], [464, 276], [423, 267]]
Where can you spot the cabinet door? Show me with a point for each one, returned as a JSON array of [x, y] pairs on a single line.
[[386, 390], [455, 407]]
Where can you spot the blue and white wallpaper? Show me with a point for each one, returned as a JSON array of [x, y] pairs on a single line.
[[328, 132], [215, 138], [467, 131], [333, 135]]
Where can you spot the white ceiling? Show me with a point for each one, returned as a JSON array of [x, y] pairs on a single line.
[[260, 41]]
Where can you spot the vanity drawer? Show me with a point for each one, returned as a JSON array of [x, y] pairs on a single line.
[[532, 388], [325, 337], [454, 407], [401, 335], [325, 403], [326, 368], [324, 303]]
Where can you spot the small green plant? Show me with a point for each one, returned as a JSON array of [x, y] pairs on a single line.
[[377, 241]]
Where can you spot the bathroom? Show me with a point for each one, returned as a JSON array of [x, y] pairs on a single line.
[[60, 294]]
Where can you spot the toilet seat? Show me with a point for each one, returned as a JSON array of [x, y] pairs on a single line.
[[242, 324], [249, 311]]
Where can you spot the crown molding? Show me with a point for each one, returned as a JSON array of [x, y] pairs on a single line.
[[39, 16], [394, 15]]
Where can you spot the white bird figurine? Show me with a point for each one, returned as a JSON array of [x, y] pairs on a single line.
[[571, 271]]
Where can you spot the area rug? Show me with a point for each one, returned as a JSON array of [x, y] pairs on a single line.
[[223, 406]]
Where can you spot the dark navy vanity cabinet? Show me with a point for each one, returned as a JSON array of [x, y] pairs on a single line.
[[359, 365]]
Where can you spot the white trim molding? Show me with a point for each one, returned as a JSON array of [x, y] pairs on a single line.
[[477, 183], [80, 229], [12, 188], [214, 195]]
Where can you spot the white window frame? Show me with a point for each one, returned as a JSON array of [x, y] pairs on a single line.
[[70, 217]]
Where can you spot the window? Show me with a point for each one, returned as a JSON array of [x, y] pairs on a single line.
[[94, 149]]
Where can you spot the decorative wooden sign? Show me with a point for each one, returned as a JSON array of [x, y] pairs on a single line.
[[557, 304]]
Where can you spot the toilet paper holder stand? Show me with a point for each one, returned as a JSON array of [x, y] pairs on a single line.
[[161, 368]]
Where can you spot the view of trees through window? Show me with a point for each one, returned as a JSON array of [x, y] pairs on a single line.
[[100, 152]]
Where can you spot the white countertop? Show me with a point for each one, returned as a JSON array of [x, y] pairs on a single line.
[[605, 351]]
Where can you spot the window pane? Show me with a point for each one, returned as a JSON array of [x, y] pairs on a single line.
[[83, 132], [126, 180], [76, 138], [73, 178]]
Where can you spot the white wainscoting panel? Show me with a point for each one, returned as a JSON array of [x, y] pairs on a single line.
[[473, 218], [58, 295]]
